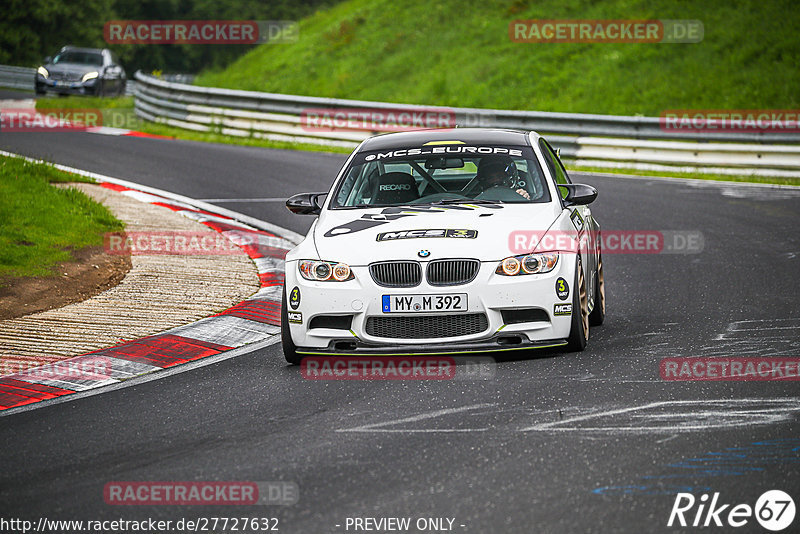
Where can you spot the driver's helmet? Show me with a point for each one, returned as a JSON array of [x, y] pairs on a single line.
[[497, 170]]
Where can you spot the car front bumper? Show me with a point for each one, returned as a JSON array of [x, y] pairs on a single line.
[[88, 87], [489, 294]]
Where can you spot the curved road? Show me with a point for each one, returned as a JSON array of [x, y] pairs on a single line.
[[590, 442]]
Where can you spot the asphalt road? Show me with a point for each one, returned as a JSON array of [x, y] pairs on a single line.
[[589, 442]]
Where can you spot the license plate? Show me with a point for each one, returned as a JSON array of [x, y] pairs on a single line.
[[424, 303]]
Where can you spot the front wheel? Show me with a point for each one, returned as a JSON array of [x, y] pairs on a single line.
[[289, 348], [579, 333]]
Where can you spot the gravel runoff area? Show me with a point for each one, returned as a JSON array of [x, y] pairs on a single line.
[[160, 292]]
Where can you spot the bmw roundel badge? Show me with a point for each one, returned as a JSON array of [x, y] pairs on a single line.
[[424, 253]]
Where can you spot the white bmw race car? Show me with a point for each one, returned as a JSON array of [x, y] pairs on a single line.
[[445, 241]]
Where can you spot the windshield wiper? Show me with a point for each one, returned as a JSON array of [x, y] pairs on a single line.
[[466, 201]]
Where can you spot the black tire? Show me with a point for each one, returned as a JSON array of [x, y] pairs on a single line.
[[289, 348], [598, 314], [579, 333], [39, 91]]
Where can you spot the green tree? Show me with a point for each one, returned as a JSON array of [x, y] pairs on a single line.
[[32, 29]]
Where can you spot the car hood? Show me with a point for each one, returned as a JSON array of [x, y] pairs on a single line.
[[71, 68], [362, 236]]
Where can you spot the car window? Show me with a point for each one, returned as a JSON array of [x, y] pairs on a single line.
[[81, 58], [426, 175], [555, 166]]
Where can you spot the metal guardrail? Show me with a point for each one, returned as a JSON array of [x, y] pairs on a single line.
[[17, 77], [22, 78], [593, 140]]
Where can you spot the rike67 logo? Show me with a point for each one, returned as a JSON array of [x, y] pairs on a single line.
[[774, 511]]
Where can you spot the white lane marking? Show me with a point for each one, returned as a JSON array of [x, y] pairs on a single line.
[[376, 427], [141, 379], [698, 414], [662, 417], [752, 325], [760, 328]]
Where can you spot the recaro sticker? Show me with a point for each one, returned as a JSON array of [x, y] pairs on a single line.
[[562, 289], [562, 309], [294, 298], [433, 232], [295, 317]]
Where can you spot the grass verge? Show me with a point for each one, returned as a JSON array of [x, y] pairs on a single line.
[[39, 224], [459, 53]]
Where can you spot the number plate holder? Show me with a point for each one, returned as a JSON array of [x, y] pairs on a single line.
[[439, 303]]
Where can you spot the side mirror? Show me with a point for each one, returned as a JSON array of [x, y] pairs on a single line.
[[579, 194], [305, 203]]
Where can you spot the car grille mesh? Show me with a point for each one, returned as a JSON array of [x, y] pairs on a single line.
[[396, 273], [428, 326], [66, 76], [439, 272], [452, 272]]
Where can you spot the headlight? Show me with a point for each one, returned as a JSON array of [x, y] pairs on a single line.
[[90, 76], [43, 72], [325, 271], [528, 264]]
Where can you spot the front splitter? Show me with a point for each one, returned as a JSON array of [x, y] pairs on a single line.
[[491, 345]]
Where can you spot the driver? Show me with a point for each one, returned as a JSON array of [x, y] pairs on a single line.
[[499, 171]]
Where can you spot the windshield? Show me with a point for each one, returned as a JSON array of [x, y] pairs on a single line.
[[82, 58], [451, 174]]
